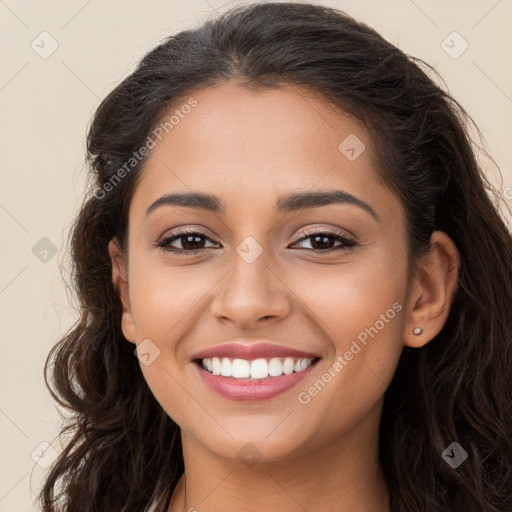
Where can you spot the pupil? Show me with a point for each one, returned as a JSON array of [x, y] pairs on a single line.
[[324, 241], [187, 238]]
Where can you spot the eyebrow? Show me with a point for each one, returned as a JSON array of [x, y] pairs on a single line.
[[285, 204]]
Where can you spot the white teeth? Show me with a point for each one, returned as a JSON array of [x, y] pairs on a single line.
[[288, 366], [225, 367], [216, 366], [240, 367], [259, 369], [255, 369], [275, 368]]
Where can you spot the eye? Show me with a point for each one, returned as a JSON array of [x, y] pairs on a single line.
[[193, 242], [321, 241], [190, 242]]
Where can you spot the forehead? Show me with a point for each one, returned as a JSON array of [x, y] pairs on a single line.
[[253, 145]]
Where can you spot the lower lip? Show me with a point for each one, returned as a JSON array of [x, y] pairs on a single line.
[[242, 390]]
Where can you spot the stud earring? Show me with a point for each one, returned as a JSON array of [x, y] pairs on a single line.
[[417, 331]]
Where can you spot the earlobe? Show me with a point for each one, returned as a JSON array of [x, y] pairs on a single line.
[[120, 282], [433, 291]]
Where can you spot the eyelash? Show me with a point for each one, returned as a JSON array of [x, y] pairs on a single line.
[[347, 243]]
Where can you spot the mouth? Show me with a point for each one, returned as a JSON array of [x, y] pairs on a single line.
[[256, 369], [253, 380]]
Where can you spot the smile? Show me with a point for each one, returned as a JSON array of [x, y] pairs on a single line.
[[256, 369], [253, 380]]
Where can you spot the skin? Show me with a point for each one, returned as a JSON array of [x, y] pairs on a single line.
[[249, 148]]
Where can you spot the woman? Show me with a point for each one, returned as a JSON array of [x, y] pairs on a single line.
[[291, 233]]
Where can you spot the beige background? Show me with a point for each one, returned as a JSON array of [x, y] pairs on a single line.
[[46, 105]]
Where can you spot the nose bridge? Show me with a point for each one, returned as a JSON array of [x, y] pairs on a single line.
[[252, 289], [252, 267]]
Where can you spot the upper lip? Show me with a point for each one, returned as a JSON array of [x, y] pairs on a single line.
[[252, 351]]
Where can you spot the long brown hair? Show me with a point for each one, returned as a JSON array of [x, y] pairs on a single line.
[[125, 451]]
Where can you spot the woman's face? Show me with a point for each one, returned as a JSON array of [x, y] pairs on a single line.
[[268, 268]]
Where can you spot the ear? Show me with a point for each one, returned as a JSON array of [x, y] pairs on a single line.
[[120, 281], [432, 290]]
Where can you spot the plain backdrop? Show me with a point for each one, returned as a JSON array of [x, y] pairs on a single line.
[[58, 60]]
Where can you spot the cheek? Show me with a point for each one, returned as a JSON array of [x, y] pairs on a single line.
[[165, 302], [347, 298], [162, 297], [360, 308]]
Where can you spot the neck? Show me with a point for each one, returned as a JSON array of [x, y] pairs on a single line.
[[342, 474]]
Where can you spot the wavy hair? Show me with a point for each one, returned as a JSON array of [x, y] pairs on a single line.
[[125, 452]]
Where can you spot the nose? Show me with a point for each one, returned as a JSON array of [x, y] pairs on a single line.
[[252, 293]]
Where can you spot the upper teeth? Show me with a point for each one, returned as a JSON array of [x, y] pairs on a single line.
[[255, 369]]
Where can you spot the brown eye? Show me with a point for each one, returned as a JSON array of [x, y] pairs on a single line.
[[191, 242], [322, 241]]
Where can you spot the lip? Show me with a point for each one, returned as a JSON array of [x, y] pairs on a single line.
[[241, 390], [252, 351]]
